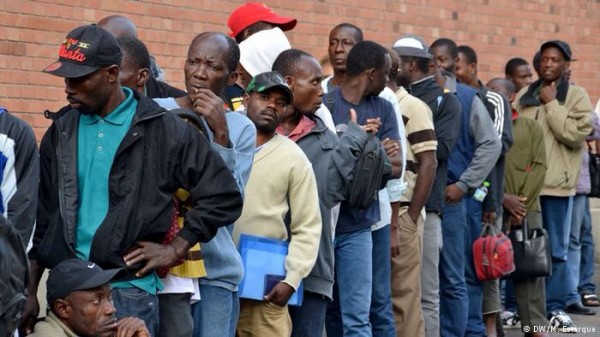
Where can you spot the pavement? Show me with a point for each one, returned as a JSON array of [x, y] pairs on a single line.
[[588, 325]]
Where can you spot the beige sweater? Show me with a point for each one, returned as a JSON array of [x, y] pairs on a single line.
[[281, 173]]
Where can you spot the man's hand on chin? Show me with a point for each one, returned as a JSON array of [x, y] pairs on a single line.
[[131, 327]]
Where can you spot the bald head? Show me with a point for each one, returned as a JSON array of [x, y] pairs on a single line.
[[503, 86], [119, 26], [211, 62], [232, 55]]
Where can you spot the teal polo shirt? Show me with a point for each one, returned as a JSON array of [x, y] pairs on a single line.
[[97, 144]]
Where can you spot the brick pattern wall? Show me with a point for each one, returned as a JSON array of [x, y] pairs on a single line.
[[30, 32]]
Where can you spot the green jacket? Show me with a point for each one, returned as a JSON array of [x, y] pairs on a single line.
[[565, 122], [525, 169]]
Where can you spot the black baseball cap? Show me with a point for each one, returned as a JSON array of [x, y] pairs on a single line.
[[268, 80], [75, 274], [85, 50], [561, 45]]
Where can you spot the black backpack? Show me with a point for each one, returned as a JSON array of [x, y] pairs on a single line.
[[369, 174], [14, 273], [594, 173]]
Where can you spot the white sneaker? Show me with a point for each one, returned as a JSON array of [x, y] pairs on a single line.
[[510, 320], [562, 322]]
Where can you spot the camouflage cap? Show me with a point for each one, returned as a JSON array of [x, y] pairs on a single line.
[[269, 80]]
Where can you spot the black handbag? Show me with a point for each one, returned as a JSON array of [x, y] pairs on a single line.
[[531, 252], [594, 173]]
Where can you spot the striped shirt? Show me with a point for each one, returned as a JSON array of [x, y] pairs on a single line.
[[418, 122]]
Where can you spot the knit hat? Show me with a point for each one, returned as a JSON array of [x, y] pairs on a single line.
[[561, 45]]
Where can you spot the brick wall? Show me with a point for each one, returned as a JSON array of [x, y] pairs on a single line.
[[30, 32]]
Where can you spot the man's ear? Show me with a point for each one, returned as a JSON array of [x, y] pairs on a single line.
[[245, 100], [412, 64], [232, 77], [112, 73], [142, 77], [371, 74], [62, 308], [290, 82], [473, 68], [245, 33]]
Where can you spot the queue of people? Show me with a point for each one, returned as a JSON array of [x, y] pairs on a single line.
[[231, 208]]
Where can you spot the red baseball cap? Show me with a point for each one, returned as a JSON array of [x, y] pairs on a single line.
[[253, 12]]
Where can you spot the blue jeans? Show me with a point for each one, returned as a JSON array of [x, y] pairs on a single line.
[[474, 286], [137, 303], [454, 302], [586, 269], [217, 312], [510, 303], [381, 315], [574, 255], [175, 312], [556, 217], [348, 314], [309, 319]]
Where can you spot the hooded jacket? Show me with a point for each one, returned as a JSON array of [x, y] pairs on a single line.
[[159, 154], [565, 122]]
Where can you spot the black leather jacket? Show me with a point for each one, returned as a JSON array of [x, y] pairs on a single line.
[[159, 154]]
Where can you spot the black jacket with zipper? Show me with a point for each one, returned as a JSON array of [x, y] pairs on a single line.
[[159, 154], [446, 112]]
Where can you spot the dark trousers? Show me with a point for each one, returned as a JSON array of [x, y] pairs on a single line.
[[308, 320]]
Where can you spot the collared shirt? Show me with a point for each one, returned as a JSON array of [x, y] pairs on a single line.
[[302, 129], [97, 144]]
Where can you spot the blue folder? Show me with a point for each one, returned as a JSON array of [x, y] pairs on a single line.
[[261, 257]]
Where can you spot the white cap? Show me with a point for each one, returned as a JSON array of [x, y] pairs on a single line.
[[412, 45]]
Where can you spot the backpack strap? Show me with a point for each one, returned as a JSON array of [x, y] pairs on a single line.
[[329, 102]]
